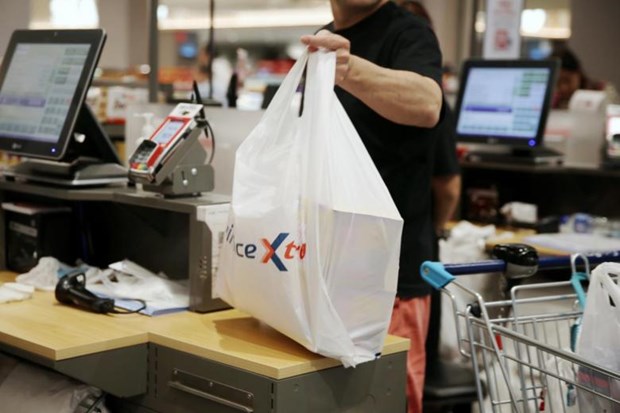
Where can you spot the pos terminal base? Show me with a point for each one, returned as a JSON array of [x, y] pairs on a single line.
[[90, 159], [528, 156], [189, 176], [81, 172]]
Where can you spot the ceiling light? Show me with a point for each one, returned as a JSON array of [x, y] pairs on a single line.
[[533, 20]]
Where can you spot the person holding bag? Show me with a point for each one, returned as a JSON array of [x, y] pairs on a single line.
[[388, 77]]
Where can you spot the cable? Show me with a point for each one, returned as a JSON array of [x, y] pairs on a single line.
[[202, 120], [96, 403], [212, 136], [120, 310]]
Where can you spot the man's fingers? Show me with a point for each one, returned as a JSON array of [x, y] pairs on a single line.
[[305, 39], [308, 37], [333, 42], [326, 40]]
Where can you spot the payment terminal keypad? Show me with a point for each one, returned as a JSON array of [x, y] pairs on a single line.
[[143, 152]]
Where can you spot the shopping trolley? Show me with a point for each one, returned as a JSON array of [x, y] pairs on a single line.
[[522, 347]]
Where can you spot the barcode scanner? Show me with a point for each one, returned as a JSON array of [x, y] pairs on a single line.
[[71, 290], [521, 259]]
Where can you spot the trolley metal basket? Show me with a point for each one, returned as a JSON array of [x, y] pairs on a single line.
[[521, 348]]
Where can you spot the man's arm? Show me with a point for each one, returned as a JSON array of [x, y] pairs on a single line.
[[446, 193], [400, 96]]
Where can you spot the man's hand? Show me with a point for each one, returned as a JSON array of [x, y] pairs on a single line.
[[330, 41]]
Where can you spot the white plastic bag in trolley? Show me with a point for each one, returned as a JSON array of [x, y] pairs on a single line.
[[599, 339], [313, 237]]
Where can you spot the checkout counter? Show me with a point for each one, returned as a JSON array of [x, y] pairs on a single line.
[[219, 362], [208, 359]]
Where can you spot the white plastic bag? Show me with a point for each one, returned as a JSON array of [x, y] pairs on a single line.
[[313, 239], [598, 340]]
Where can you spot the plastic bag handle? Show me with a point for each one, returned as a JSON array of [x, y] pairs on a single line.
[[320, 81]]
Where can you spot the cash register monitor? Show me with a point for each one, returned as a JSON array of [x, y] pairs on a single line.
[[504, 104], [44, 78]]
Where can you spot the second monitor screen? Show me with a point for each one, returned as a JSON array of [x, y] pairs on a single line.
[[503, 102]]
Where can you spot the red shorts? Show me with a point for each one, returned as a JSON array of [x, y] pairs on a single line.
[[410, 320]]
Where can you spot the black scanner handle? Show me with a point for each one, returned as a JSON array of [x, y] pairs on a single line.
[[71, 290]]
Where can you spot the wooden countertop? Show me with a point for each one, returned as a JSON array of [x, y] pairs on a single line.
[[232, 337], [46, 328]]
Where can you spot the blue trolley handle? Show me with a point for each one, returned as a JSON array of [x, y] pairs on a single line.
[[435, 274], [514, 260], [439, 275]]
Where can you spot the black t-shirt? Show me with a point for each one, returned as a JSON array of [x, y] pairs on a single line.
[[446, 161], [393, 38]]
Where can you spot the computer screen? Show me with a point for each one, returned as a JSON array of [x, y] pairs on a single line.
[[504, 102], [43, 83]]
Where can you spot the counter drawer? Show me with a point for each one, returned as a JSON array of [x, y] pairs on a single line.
[[184, 383]]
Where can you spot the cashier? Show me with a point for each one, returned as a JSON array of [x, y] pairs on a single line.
[[572, 78]]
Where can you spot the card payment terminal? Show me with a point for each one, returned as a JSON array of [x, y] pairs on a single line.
[[152, 153]]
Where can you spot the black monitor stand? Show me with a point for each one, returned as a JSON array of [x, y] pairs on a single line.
[[538, 155], [90, 159]]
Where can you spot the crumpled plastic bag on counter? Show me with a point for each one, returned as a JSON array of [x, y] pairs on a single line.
[[10, 292], [124, 281], [44, 275], [127, 280]]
